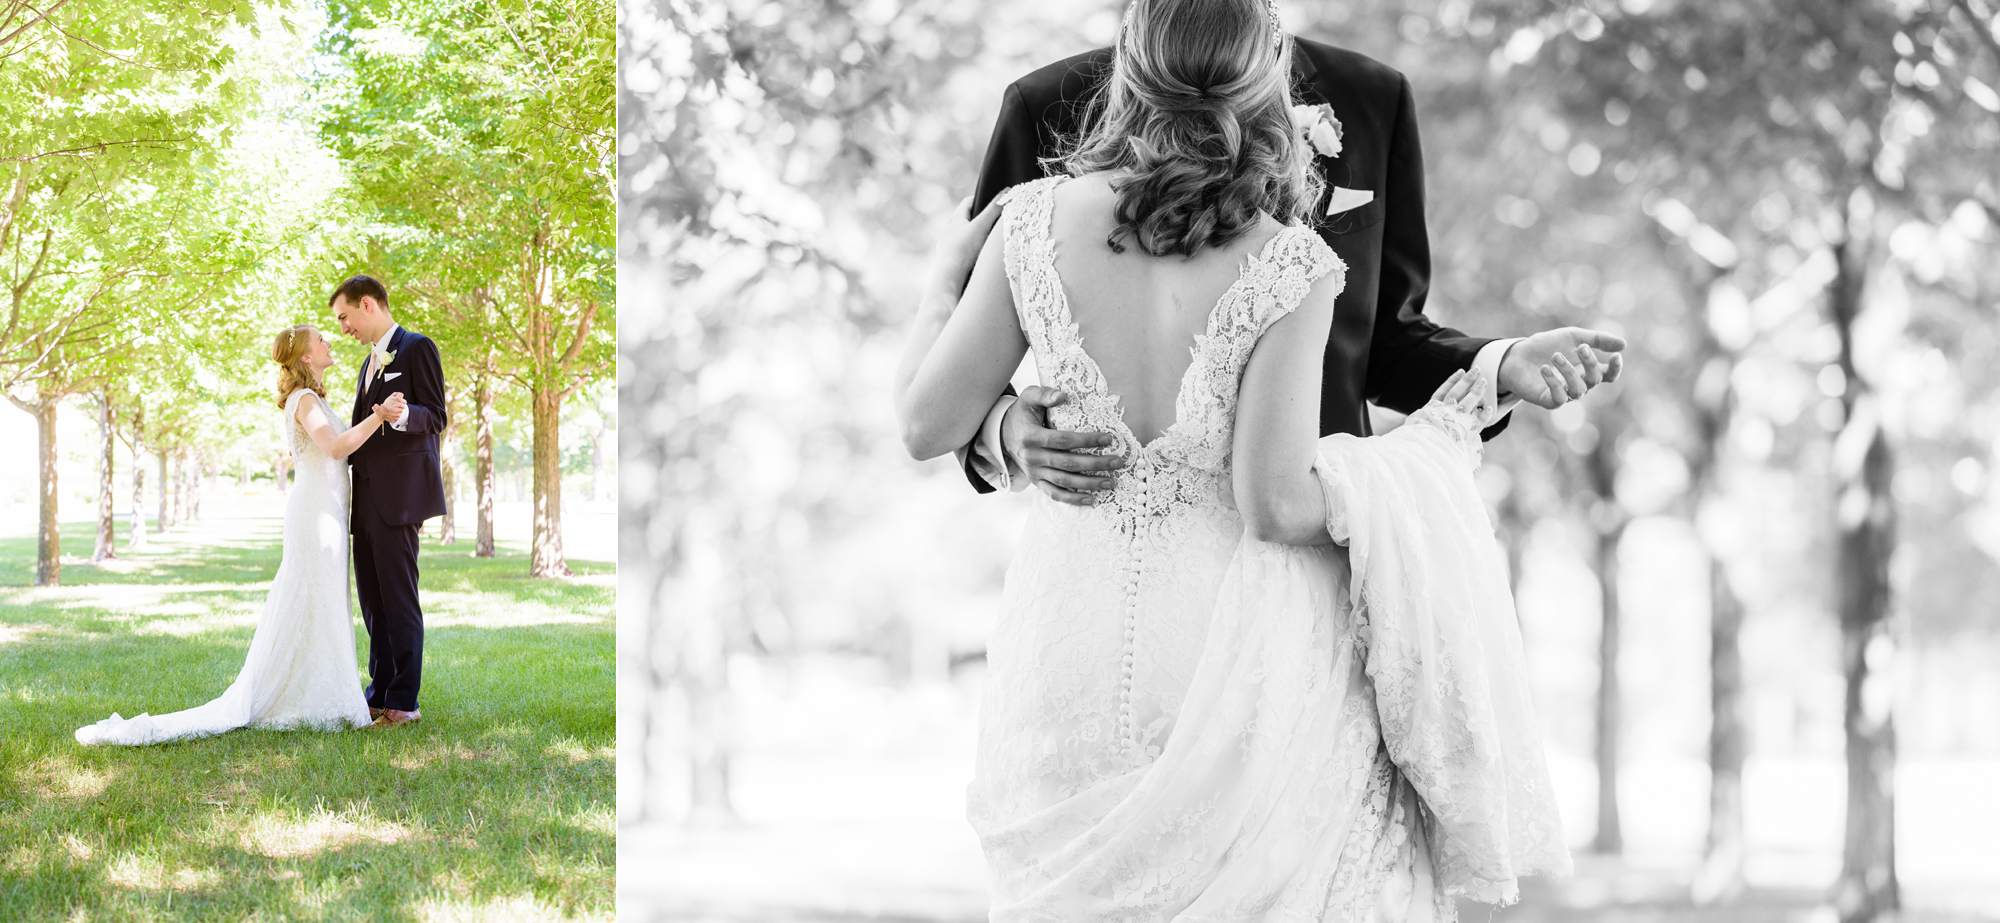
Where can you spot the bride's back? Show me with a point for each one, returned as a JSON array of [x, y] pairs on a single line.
[[1138, 314]]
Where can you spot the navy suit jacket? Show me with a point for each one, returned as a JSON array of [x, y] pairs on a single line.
[[405, 483], [1382, 348]]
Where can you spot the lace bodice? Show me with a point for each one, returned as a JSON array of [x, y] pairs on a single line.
[[323, 478], [297, 441], [1189, 462]]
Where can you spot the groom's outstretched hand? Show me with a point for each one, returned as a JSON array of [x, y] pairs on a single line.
[[1051, 458], [1557, 366]]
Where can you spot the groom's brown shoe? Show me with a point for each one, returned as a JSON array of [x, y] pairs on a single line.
[[395, 718], [374, 712]]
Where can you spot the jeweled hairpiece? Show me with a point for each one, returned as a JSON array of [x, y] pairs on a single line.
[[1270, 7]]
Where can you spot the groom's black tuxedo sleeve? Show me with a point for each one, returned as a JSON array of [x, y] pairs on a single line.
[[1382, 348], [425, 389]]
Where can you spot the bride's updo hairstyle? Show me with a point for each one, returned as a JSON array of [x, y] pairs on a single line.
[[1195, 124], [289, 352]]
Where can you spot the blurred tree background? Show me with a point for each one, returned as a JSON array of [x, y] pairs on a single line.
[[181, 180], [1755, 577]]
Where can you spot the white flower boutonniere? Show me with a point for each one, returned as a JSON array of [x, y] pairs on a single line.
[[1319, 128], [382, 356]]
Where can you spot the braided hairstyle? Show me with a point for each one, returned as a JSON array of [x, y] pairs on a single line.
[[289, 352], [1195, 124]]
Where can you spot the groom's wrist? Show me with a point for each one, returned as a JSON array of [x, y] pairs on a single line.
[[1492, 360]]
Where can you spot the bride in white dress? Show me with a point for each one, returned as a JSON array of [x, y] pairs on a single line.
[[300, 672], [1265, 676]]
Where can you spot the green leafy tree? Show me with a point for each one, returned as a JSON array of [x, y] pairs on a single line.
[[479, 139]]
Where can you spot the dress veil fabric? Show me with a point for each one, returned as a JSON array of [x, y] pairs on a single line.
[[300, 671]]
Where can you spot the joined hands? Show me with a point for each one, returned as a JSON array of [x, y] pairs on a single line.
[[391, 408]]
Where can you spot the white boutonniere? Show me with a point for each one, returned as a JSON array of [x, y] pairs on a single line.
[[382, 356], [1318, 128]]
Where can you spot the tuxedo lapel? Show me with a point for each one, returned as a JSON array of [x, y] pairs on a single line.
[[360, 392], [1309, 90], [372, 392]]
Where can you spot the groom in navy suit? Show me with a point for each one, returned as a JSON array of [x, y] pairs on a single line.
[[397, 485]]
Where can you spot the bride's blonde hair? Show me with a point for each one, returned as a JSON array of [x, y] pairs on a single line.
[[1195, 123], [289, 352]]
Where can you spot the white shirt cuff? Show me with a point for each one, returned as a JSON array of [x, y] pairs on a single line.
[[989, 457], [1487, 363], [402, 420]]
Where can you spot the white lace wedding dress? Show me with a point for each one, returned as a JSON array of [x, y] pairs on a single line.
[[301, 671], [1182, 723]]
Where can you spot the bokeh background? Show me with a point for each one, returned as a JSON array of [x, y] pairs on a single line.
[[1757, 578]]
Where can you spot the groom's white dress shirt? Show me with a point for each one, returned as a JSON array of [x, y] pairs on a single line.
[[382, 345], [988, 454]]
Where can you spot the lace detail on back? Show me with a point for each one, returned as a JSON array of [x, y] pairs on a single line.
[[1189, 462], [297, 440]]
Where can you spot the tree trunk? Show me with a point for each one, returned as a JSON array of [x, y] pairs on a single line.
[[138, 536], [1867, 889], [447, 526], [546, 552], [166, 517], [597, 465], [107, 527], [180, 489], [1720, 877], [48, 547], [484, 481], [697, 639], [1608, 522], [1610, 837]]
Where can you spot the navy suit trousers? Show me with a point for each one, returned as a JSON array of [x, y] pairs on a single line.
[[385, 577]]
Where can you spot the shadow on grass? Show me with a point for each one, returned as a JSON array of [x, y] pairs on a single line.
[[251, 556], [497, 805]]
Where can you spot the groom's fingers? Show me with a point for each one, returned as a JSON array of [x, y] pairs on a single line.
[[1573, 384], [1072, 481], [1066, 442], [1552, 380], [1066, 496], [1598, 339], [1614, 366], [1593, 370]]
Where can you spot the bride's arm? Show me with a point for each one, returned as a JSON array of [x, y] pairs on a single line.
[[312, 415], [1277, 425], [957, 360]]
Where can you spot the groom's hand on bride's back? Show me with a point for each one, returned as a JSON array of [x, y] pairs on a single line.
[[1053, 459]]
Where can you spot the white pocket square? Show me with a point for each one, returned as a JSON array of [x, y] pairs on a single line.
[[387, 376], [1344, 199]]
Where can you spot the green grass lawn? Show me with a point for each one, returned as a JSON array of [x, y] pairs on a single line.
[[497, 806]]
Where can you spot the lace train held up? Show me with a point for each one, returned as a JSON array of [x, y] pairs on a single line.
[[300, 671], [1182, 723]]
